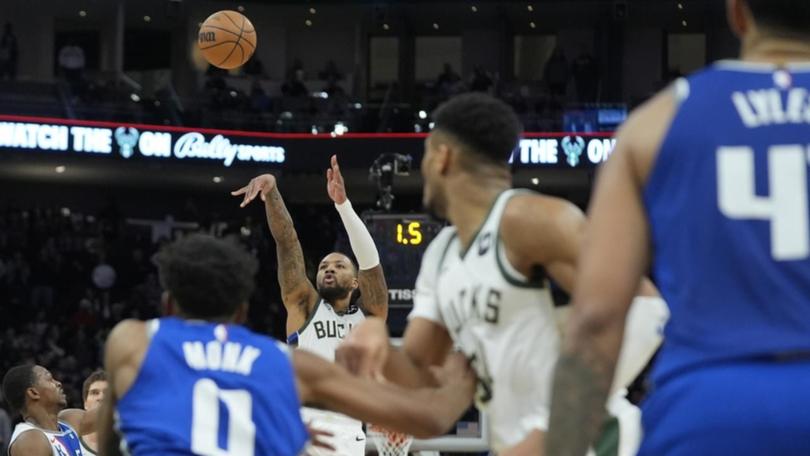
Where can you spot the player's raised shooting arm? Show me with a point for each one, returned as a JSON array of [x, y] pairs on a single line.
[[425, 412], [374, 299], [615, 256], [296, 289]]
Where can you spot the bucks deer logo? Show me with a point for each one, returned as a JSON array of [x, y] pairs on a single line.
[[127, 138], [573, 149]]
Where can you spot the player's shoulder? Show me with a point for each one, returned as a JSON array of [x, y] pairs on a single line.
[[29, 441], [529, 210], [437, 248]]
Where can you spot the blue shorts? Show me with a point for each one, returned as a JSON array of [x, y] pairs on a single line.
[[741, 408]]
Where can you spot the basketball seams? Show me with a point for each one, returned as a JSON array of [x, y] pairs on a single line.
[[245, 53], [241, 28]]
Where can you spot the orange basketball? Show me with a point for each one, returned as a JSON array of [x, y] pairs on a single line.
[[227, 39]]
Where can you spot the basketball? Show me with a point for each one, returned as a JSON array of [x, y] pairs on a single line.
[[227, 39]]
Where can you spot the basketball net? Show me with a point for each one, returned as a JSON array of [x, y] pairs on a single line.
[[389, 443]]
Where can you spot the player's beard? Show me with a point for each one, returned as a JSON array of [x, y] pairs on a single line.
[[333, 293]]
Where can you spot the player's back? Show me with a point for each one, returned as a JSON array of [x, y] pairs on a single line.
[[212, 389], [728, 205]]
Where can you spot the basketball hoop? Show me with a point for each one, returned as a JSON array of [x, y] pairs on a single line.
[[389, 443]]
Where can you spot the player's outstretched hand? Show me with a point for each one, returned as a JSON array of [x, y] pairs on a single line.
[[364, 351], [258, 186], [334, 182]]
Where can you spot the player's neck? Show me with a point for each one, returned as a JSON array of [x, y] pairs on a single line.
[[43, 419], [773, 50], [340, 305], [471, 200]]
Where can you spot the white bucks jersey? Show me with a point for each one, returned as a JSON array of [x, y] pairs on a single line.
[[323, 332], [504, 322], [325, 329]]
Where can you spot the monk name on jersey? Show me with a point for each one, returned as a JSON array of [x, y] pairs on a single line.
[[218, 356]]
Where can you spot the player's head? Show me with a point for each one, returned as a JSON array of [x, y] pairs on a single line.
[[206, 278], [473, 134], [93, 389], [784, 19], [337, 277], [27, 385]]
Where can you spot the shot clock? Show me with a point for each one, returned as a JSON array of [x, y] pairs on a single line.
[[401, 240]]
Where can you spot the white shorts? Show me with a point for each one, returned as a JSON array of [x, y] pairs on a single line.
[[348, 437]]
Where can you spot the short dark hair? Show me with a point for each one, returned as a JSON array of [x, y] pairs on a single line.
[[207, 277], [15, 382], [485, 125], [789, 18], [97, 376]]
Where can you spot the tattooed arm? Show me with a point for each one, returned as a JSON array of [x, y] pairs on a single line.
[[297, 291], [614, 258]]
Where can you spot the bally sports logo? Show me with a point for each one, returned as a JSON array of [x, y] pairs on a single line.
[[192, 145]]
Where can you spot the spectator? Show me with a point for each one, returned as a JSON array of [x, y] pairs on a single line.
[[71, 63], [254, 67], [480, 81], [330, 72], [586, 76], [8, 54], [259, 100], [295, 87], [447, 78], [556, 73]]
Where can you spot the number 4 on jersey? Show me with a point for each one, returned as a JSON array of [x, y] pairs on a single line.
[[787, 205]]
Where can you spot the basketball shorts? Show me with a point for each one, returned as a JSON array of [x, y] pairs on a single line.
[[347, 438]]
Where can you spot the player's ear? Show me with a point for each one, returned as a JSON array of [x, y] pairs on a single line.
[[32, 393], [240, 317], [167, 304], [443, 158], [355, 283], [738, 17]]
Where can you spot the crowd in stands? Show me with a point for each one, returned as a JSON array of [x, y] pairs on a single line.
[[67, 278]]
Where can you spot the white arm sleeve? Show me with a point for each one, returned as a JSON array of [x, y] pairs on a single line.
[[360, 239], [425, 301]]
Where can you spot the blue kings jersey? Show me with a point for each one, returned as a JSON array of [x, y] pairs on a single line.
[[212, 389], [727, 201]]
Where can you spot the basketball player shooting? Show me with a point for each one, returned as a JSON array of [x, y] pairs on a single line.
[[173, 379], [484, 281], [318, 320], [709, 182]]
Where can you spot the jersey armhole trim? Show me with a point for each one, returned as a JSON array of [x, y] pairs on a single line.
[[500, 258], [310, 318], [464, 252], [85, 447]]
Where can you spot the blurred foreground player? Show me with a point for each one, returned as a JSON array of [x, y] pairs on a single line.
[[709, 180], [34, 393], [319, 319], [176, 381], [484, 282]]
